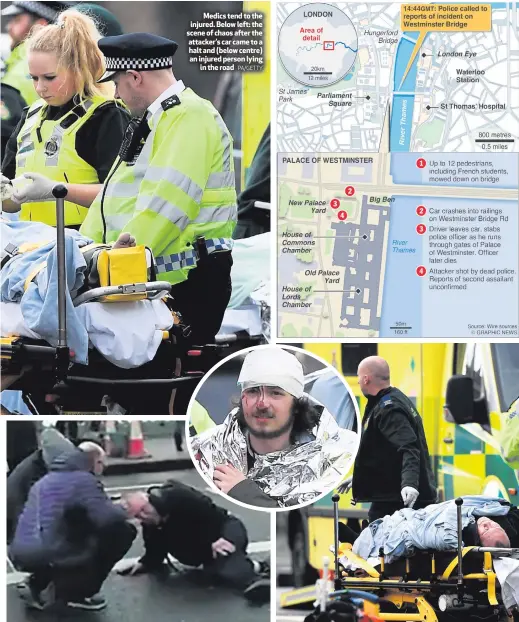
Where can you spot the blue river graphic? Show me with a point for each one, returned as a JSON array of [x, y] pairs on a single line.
[[403, 95]]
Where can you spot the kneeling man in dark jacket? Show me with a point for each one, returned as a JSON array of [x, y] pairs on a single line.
[[70, 535], [184, 522]]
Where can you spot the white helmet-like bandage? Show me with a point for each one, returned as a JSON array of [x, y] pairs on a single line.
[[272, 367]]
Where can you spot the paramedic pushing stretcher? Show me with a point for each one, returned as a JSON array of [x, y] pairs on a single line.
[[172, 186], [392, 469]]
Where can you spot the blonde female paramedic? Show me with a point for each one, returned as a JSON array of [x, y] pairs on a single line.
[[73, 133]]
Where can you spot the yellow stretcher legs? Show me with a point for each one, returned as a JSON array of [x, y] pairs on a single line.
[[488, 569], [425, 611]]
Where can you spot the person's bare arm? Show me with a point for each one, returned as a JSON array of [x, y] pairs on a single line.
[[39, 189], [6, 192], [10, 206], [83, 194]]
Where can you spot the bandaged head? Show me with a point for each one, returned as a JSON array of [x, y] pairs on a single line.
[[275, 367]]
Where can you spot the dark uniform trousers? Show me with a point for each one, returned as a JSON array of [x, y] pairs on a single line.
[[203, 297], [235, 569], [201, 300]]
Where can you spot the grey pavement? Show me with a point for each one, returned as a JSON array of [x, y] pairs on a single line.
[[184, 596], [160, 449], [180, 597], [161, 454]]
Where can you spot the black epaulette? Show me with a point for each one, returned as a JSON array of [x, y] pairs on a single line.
[[29, 115], [170, 102]]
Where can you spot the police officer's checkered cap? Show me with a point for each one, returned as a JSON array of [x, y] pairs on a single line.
[[138, 64], [140, 51]]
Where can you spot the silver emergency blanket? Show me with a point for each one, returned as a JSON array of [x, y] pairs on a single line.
[[312, 466]]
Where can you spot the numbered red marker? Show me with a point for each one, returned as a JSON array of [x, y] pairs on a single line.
[[335, 203], [421, 163], [349, 191], [421, 271], [421, 210], [421, 229], [342, 215]]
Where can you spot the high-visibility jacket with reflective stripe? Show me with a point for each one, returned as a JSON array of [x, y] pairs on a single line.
[[180, 187], [53, 153], [17, 74], [200, 418]]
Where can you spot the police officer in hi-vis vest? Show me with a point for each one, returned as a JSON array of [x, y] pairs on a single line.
[[172, 186], [73, 132]]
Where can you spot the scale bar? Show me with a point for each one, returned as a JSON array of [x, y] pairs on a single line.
[[317, 73], [495, 140]]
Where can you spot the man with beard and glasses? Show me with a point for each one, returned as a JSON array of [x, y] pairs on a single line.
[[278, 447]]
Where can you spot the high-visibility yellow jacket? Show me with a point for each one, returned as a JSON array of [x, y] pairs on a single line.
[[180, 187], [17, 74], [200, 418], [509, 435], [49, 148]]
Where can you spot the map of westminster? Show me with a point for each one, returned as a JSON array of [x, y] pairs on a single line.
[[398, 132]]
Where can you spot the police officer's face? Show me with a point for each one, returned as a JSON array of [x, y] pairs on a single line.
[[148, 515], [363, 380], [55, 86], [267, 411], [138, 506], [126, 88], [19, 27]]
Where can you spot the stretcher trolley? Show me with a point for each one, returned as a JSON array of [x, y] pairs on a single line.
[[430, 586], [52, 383]]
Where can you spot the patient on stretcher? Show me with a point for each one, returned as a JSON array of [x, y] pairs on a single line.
[[485, 532], [127, 333], [486, 522]]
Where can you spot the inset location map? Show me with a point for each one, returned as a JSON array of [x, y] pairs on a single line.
[[456, 90], [317, 45], [398, 185]]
